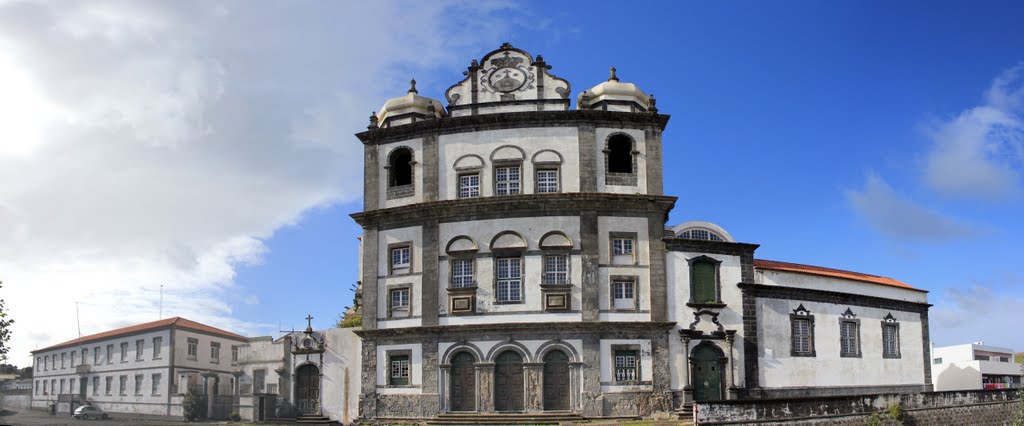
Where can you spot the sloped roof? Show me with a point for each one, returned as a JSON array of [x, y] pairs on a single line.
[[176, 322], [830, 272]]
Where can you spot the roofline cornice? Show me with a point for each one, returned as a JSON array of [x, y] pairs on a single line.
[[507, 120]]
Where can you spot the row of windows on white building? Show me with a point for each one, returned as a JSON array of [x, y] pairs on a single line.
[[48, 387], [802, 332], [47, 363]]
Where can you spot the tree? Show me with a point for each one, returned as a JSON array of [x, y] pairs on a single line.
[[25, 373], [191, 405], [5, 330]]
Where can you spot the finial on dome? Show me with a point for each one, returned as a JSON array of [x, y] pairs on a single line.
[[613, 77], [373, 120], [412, 86]]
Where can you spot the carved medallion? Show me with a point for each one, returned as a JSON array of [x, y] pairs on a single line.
[[507, 74]]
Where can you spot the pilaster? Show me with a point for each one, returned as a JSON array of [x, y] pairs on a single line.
[[590, 260]]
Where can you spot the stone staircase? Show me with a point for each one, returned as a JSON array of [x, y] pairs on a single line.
[[314, 420], [506, 419], [685, 413]]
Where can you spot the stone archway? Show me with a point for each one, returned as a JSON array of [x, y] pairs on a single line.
[[462, 383], [508, 382], [708, 362]]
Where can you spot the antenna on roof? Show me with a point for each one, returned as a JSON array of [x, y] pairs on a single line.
[[78, 320]]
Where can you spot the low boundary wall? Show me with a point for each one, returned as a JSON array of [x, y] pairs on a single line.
[[981, 408]]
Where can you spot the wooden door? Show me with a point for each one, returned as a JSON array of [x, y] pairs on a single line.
[[307, 389], [707, 373], [556, 381], [463, 383], [508, 382]]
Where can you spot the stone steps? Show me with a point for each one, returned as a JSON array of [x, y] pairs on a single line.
[[314, 420], [506, 419]]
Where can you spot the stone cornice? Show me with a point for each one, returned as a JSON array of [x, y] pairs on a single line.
[[512, 120], [706, 246], [568, 328], [523, 205], [834, 297]]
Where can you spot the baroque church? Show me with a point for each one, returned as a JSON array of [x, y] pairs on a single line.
[[516, 261]]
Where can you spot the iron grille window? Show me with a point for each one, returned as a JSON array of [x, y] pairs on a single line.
[[462, 273], [623, 294], [510, 280], [547, 181], [506, 180], [801, 336], [627, 367], [399, 370], [469, 186], [556, 269]]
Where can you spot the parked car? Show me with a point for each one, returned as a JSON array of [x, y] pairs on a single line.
[[89, 412]]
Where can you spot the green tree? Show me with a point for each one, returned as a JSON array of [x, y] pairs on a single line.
[[5, 330], [191, 405]]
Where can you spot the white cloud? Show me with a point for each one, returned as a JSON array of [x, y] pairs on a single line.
[[161, 142], [977, 313], [979, 153], [900, 218]]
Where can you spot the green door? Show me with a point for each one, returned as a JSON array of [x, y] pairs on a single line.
[[707, 374]]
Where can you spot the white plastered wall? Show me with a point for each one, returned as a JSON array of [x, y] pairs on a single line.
[[385, 279], [731, 316], [609, 266]]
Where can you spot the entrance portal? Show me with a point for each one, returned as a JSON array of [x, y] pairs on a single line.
[[508, 382], [307, 389], [707, 372], [556, 381], [463, 383]]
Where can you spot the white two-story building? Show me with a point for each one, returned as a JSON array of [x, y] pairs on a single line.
[[975, 366]]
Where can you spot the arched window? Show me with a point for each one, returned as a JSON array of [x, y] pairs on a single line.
[[400, 173], [700, 234], [620, 160]]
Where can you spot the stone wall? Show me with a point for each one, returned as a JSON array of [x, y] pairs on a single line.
[[13, 401], [981, 407]]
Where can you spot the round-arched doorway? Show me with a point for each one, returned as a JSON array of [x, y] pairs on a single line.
[[556, 381]]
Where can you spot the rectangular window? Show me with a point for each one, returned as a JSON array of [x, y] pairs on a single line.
[[624, 294], [109, 383], [158, 343], [627, 366], [937, 361], [85, 356], [510, 283], [45, 392], [462, 273], [46, 363], [849, 339], [71, 386], [556, 269], [73, 359], [39, 364], [53, 385], [124, 351], [138, 384], [123, 381], [215, 352], [96, 385], [399, 370], [37, 387], [53, 363], [622, 246], [234, 354], [506, 180], [96, 356], [399, 298], [193, 349], [258, 379], [891, 340], [801, 329], [400, 259], [469, 185], [1004, 359], [61, 386], [62, 366], [139, 346], [547, 181], [110, 354], [156, 385]]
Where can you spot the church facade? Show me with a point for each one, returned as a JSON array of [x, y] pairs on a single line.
[[516, 259]]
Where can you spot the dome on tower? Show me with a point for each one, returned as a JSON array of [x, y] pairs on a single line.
[[409, 109], [614, 95]]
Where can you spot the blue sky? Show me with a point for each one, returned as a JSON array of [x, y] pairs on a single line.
[[208, 146]]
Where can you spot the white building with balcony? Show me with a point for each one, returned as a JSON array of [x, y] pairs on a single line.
[[974, 366]]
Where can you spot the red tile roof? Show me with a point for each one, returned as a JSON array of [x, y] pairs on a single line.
[[176, 322], [829, 272]]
